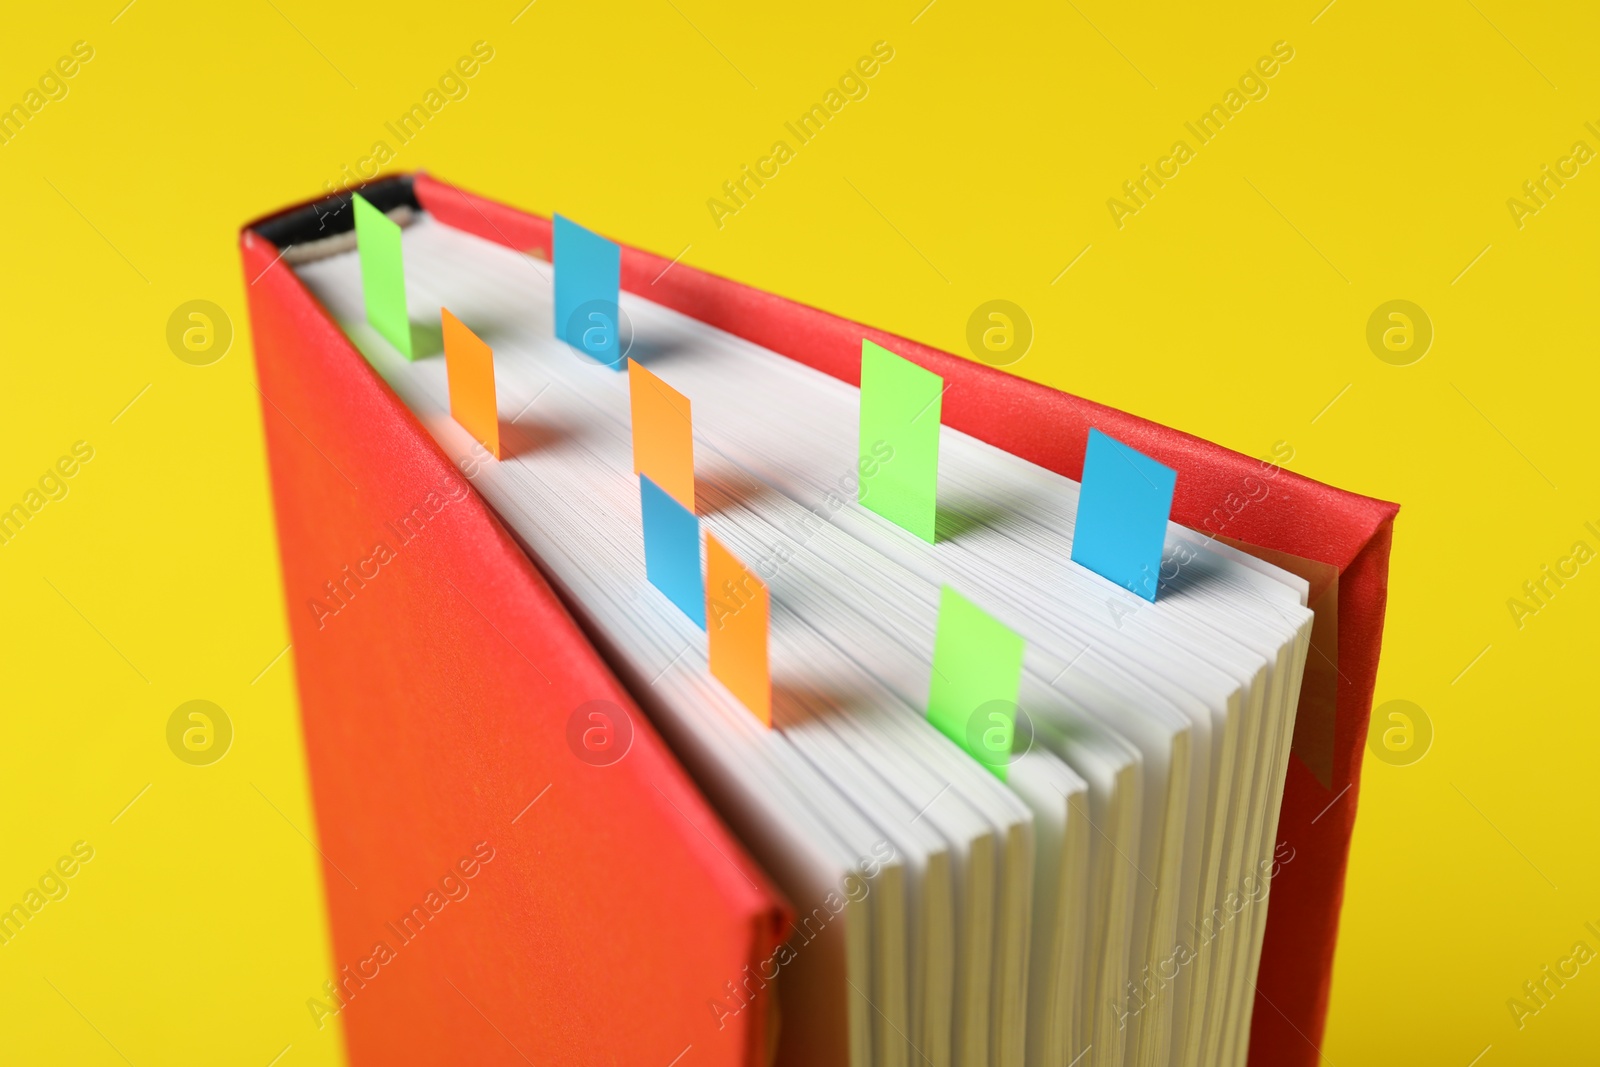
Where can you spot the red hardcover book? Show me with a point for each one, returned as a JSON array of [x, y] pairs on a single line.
[[443, 721]]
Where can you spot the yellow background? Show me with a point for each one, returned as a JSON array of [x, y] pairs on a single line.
[[1234, 305]]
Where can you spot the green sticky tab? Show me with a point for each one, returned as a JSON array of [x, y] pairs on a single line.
[[899, 456], [977, 674], [383, 275]]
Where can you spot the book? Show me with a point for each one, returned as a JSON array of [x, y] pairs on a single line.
[[1100, 896]]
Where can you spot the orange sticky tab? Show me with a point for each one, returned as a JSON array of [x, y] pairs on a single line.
[[738, 615], [663, 436], [469, 366]]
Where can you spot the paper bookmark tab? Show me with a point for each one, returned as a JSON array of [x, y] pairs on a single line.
[[469, 370], [1122, 514], [663, 438], [383, 275], [738, 615], [977, 674], [899, 443], [672, 550], [588, 281]]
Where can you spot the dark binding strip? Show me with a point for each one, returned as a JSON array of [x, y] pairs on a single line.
[[332, 215]]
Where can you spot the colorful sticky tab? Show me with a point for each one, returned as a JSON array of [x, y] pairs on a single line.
[[977, 674], [1122, 514], [383, 274], [588, 280], [469, 370], [663, 438], [899, 443], [738, 614], [672, 550]]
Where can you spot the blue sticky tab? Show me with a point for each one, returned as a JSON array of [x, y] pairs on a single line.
[[588, 278], [1122, 514], [672, 550]]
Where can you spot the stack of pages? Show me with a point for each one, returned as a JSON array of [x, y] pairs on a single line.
[[1100, 902]]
